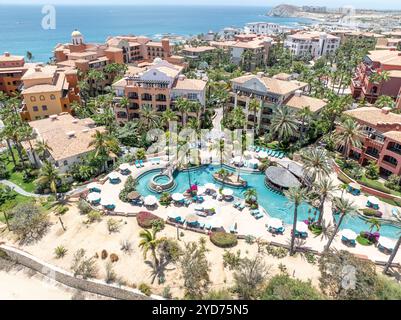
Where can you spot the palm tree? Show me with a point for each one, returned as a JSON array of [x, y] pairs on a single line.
[[251, 194], [305, 115], [295, 195], [254, 105], [183, 107], [344, 207], [149, 241], [167, 116], [94, 77], [385, 101], [27, 133], [50, 176], [149, 119], [374, 223], [42, 149], [223, 174], [104, 144], [395, 249], [237, 118], [316, 163], [324, 188], [124, 103], [348, 135], [283, 123]]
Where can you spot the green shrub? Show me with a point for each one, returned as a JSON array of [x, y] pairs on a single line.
[[283, 287], [372, 171], [363, 241], [231, 260], [60, 252], [165, 199], [393, 182], [129, 186], [145, 289], [369, 212], [388, 289], [84, 207], [218, 295], [93, 216], [276, 252], [223, 239]]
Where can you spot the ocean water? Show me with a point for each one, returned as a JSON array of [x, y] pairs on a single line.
[[21, 26]]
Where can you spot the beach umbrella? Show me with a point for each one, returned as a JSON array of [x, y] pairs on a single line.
[[275, 223], [177, 196], [373, 200], [94, 196], [355, 186], [150, 200], [173, 214], [237, 159], [194, 187], [133, 195], [201, 189], [349, 234], [106, 202], [387, 243], [301, 226], [210, 186], [94, 186], [114, 175], [124, 166], [208, 205], [191, 218], [262, 154], [216, 222], [227, 192]]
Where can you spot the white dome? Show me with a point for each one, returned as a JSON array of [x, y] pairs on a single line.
[[76, 33], [157, 60]]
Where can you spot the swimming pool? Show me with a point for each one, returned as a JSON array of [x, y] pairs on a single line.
[[275, 203]]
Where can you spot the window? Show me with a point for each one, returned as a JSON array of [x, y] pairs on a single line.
[[35, 108], [44, 108], [52, 97], [42, 98], [390, 160], [33, 99], [65, 162], [192, 96]]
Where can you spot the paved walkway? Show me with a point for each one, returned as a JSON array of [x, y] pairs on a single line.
[[21, 191]]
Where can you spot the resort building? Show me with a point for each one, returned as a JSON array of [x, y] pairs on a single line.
[[138, 49], [157, 85], [196, 53], [314, 44], [375, 62], [87, 56], [270, 92], [48, 90], [388, 43], [263, 28], [12, 68], [67, 137], [250, 50], [229, 33], [380, 138]]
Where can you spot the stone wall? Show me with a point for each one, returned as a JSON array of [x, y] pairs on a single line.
[[68, 279]]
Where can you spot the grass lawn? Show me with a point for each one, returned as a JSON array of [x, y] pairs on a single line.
[[17, 176], [375, 184], [12, 203]]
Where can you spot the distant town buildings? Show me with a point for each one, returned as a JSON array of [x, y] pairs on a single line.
[[313, 44], [250, 50], [365, 86], [263, 28], [157, 86], [196, 53], [388, 43]]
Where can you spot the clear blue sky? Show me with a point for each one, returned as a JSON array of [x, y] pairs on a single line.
[[374, 4]]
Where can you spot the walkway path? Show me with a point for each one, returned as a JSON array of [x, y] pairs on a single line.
[[21, 191]]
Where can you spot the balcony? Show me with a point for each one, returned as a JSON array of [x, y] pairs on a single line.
[[132, 96], [395, 150]]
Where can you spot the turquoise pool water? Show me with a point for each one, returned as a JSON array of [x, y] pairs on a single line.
[[276, 204], [161, 179]]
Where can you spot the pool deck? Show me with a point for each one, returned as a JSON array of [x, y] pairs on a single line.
[[246, 223]]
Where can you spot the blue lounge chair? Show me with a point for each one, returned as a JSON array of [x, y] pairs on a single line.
[[241, 207], [137, 164], [258, 215], [236, 204], [257, 149], [187, 202], [201, 225], [254, 211], [141, 163], [269, 152], [208, 226]]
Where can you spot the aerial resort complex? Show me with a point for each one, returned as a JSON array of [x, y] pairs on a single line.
[[257, 162]]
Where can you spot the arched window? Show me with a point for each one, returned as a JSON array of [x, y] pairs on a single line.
[[52, 97], [33, 99], [42, 97], [374, 90]]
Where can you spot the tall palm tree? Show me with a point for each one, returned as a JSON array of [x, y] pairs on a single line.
[[251, 194], [42, 149], [149, 119], [223, 174], [94, 77], [395, 249], [385, 101], [27, 134], [254, 106], [324, 188], [283, 123], [238, 118], [348, 135], [104, 144], [50, 176], [305, 115], [183, 107], [295, 195], [167, 116], [150, 242], [316, 163], [344, 207], [374, 223]]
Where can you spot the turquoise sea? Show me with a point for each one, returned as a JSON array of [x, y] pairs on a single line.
[[21, 30]]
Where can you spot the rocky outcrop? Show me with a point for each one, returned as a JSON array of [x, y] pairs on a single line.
[[284, 10]]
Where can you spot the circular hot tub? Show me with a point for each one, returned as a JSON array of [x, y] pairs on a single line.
[[161, 182]]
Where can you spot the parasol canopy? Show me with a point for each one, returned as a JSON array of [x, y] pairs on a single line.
[[124, 166], [349, 234], [227, 192], [93, 196], [275, 223], [150, 200], [177, 196], [301, 226], [133, 195]]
